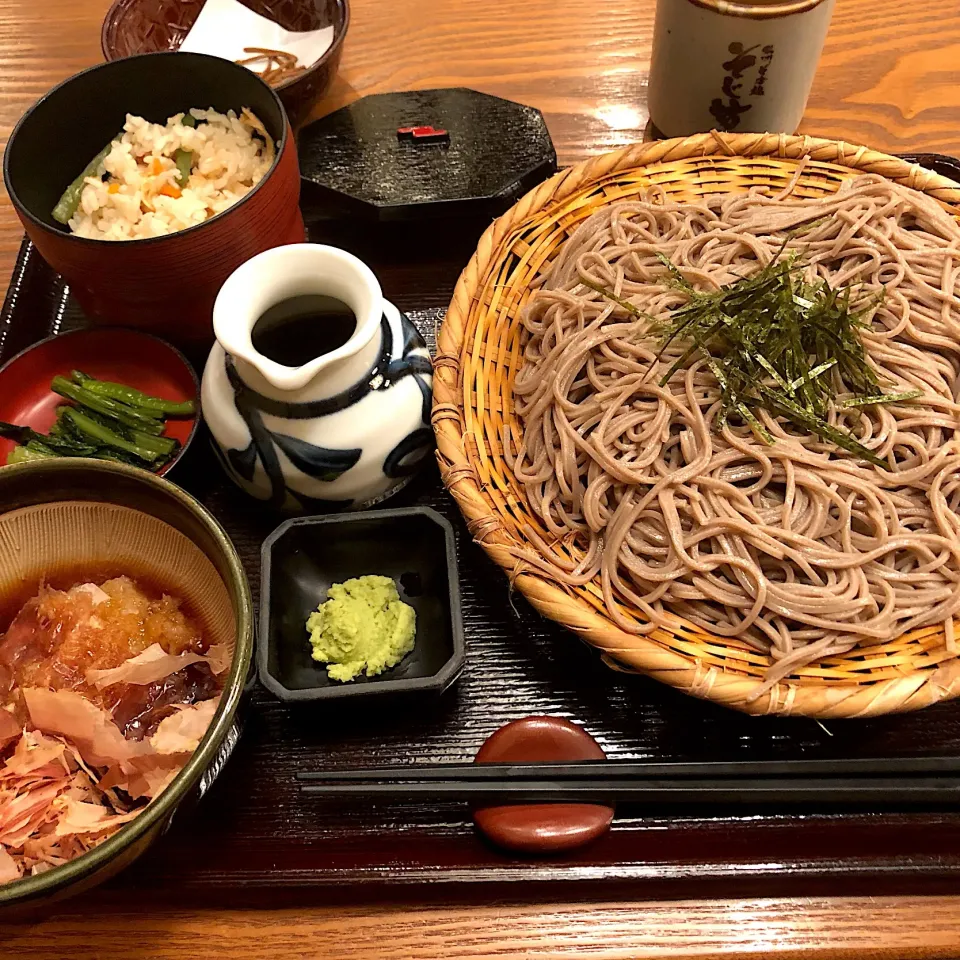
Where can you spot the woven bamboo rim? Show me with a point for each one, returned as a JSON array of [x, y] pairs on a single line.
[[478, 353]]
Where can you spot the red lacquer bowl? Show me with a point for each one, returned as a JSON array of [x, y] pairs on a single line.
[[123, 356], [165, 285]]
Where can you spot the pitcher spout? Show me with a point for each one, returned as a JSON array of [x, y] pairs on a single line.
[[281, 379], [299, 318]]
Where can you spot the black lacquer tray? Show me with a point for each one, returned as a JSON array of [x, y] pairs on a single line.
[[253, 840]]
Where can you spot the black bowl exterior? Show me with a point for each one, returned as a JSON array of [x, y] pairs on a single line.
[[302, 558], [49, 481], [301, 94]]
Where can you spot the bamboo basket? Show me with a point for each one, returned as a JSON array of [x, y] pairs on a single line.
[[478, 354]]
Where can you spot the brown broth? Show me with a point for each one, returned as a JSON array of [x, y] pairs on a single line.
[[300, 329], [65, 577]]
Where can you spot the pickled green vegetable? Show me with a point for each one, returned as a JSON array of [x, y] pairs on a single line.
[[110, 421], [70, 199]]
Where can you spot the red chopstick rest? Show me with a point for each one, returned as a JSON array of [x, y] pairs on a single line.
[[541, 827]]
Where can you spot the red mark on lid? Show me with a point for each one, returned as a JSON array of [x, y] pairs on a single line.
[[423, 134]]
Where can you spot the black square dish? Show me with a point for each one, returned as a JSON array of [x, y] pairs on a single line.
[[302, 558]]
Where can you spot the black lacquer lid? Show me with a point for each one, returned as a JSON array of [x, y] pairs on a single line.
[[425, 154]]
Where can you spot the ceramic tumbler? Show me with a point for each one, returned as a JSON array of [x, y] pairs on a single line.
[[746, 67]]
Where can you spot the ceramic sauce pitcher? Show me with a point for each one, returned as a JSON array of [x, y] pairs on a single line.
[[337, 416]]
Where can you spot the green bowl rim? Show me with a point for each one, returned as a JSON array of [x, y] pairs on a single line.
[[156, 811]]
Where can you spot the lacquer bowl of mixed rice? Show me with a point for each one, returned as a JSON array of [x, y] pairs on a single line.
[[147, 181]]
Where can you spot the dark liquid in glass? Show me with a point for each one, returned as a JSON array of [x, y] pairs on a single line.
[[295, 331]]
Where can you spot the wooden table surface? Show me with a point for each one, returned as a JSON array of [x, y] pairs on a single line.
[[890, 78]]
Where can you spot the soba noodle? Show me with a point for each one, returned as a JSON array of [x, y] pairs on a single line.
[[797, 547]]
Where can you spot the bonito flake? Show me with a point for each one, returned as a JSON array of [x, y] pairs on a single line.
[[104, 695]]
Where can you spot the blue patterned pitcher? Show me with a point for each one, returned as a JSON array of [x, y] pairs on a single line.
[[344, 430]]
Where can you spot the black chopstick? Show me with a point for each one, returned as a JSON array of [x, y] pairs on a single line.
[[859, 790], [628, 770]]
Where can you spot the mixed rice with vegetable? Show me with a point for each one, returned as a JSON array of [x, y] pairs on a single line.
[[155, 179]]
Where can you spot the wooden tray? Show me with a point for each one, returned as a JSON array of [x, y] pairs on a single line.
[[254, 841]]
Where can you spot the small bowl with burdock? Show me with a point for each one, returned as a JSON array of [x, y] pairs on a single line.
[[360, 604]]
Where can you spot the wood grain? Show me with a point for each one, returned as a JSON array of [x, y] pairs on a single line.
[[888, 78], [831, 929]]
